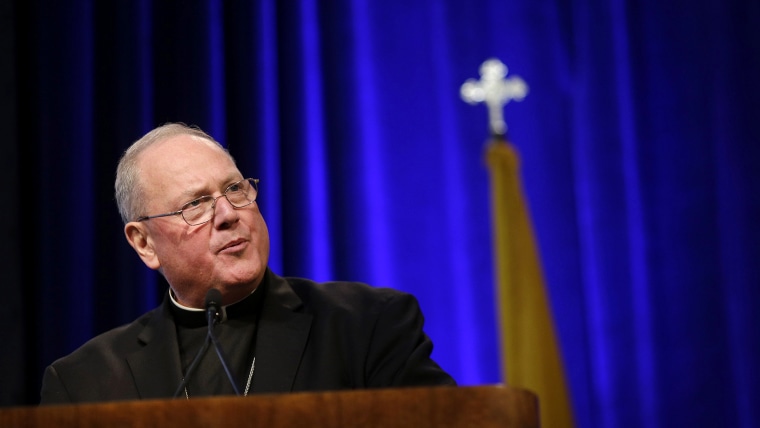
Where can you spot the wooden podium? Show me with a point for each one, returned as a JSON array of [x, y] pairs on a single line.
[[480, 406]]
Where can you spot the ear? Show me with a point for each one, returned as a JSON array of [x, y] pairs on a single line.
[[139, 238]]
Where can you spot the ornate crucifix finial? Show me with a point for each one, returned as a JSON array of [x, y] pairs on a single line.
[[495, 91]]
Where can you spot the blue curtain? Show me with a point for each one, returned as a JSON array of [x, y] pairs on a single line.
[[640, 153]]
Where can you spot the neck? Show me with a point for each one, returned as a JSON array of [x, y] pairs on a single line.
[[228, 298], [195, 298]]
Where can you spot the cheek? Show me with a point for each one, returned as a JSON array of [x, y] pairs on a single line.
[[260, 228], [261, 237], [185, 269], [187, 252]]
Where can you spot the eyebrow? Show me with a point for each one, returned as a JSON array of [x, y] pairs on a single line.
[[189, 195]]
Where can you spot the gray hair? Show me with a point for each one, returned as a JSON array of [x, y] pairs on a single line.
[[128, 189]]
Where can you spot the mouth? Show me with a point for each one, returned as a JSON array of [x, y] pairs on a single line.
[[233, 246]]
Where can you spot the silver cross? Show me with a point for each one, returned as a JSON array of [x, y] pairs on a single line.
[[495, 91]]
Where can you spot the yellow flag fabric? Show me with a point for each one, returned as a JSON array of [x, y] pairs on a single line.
[[530, 350]]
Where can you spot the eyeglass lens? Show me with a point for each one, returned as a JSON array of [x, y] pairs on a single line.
[[201, 210]]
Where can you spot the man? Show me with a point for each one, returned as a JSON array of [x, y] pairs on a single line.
[[190, 214]]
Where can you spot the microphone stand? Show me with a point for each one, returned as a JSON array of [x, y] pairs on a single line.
[[193, 366], [213, 302], [213, 315]]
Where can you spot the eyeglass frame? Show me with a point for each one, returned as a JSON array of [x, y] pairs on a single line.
[[254, 182]]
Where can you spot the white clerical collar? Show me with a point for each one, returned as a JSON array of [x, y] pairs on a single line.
[[180, 305]]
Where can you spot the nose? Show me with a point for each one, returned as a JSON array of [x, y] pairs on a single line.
[[224, 213]]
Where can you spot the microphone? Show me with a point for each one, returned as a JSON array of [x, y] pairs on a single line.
[[214, 306], [215, 314]]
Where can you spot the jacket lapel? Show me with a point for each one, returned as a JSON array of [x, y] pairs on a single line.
[[280, 343], [281, 338], [156, 367]]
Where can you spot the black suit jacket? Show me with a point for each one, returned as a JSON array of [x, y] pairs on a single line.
[[311, 336]]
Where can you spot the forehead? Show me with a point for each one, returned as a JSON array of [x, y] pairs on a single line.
[[183, 163]]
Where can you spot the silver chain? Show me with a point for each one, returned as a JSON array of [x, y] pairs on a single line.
[[250, 376]]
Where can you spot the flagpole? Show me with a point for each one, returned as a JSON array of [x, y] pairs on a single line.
[[500, 159], [531, 357]]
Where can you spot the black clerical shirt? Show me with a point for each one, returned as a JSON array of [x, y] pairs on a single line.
[[237, 336]]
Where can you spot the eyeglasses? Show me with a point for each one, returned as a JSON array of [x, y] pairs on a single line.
[[201, 210]]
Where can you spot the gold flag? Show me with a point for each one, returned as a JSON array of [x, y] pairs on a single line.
[[530, 351]]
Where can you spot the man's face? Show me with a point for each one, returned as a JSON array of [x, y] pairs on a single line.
[[229, 253]]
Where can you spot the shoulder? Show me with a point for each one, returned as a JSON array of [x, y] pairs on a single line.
[[108, 348], [98, 370], [345, 295]]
